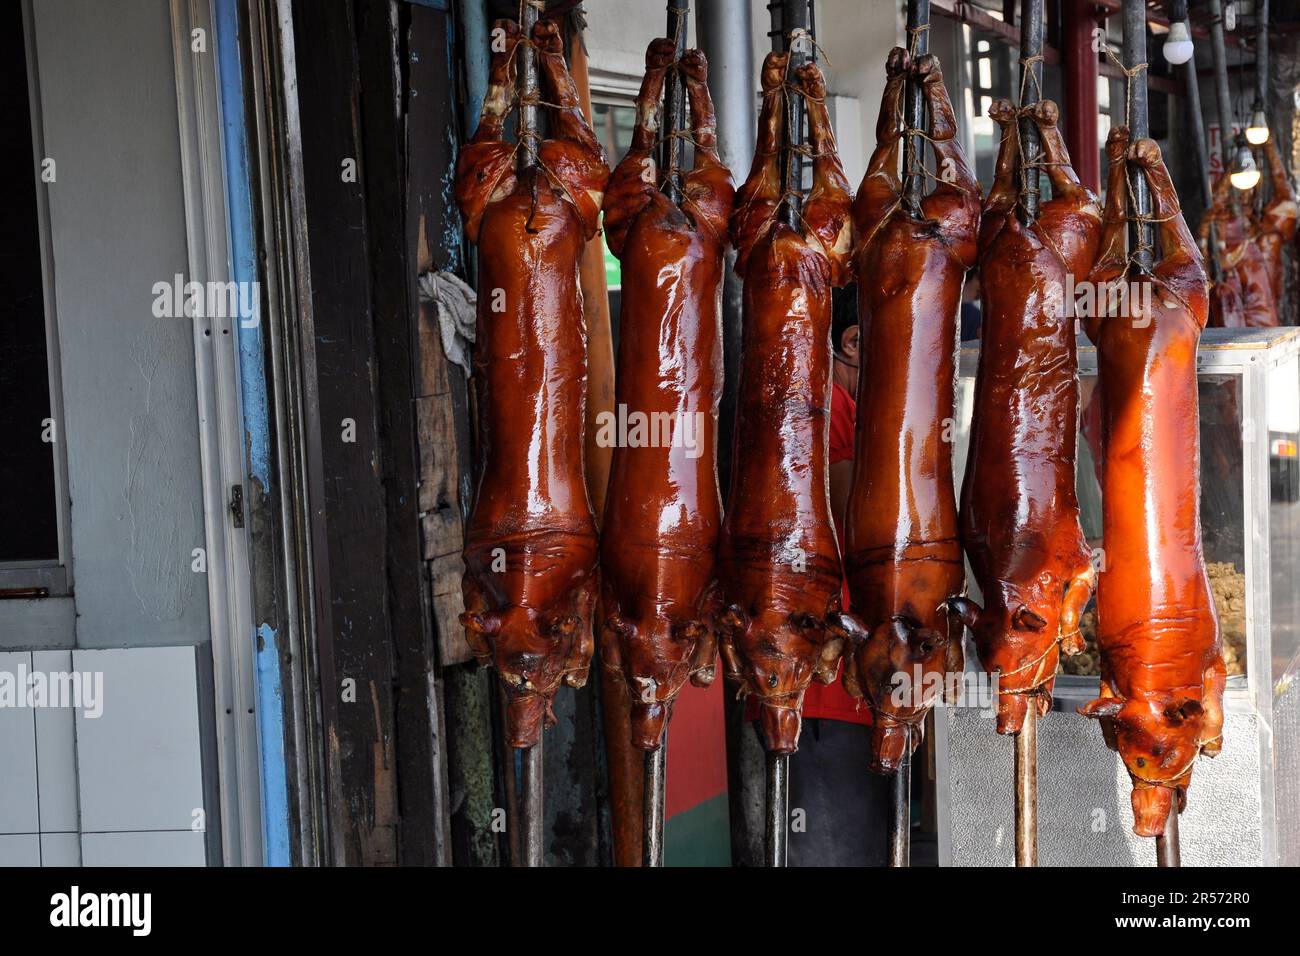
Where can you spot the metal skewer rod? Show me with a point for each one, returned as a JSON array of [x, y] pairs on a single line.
[[1135, 53], [532, 805], [794, 15], [652, 806], [531, 783], [1031, 82], [1027, 788], [776, 841], [1168, 851], [918, 20], [674, 103], [900, 831]]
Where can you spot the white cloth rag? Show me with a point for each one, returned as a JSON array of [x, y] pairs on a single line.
[[456, 305]]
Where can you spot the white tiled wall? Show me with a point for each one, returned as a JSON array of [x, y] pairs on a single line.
[[124, 788]]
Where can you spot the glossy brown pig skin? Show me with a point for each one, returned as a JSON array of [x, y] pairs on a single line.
[[902, 554], [1275, 226], [530, 546], [1162, 672], [778, 560], [663, 511], [1242, 263], [1019, 511]]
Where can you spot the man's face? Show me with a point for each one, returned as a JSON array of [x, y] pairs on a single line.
[[846, 358]]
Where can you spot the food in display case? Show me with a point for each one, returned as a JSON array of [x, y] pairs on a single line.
[[778, 559], [902, 554], [530, 543], [663, 509], [1020, 522], [1162, 672]]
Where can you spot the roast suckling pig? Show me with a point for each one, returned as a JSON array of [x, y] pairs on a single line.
[[902, 553], [1019, 510], [1242, 263], [1162, 673], [1275, 226], [530, 546], [663, 511], [778, 560]]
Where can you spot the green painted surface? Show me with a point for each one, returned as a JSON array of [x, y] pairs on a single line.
[[613, 268], [700, 836]]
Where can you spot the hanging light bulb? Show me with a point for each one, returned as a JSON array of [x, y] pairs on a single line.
[[1257, 130], [1244, 174], [1178, 43]]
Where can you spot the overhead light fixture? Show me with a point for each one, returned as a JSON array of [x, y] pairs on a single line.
[[1178, 47], [1244, 174], [1257, 130]]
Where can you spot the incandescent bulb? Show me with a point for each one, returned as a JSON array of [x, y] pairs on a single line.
[[1244, 174], [1244, 180], [1178, 44], [1257, 131]]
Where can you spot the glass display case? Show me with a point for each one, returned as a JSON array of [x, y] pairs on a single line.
[[1243, 803]]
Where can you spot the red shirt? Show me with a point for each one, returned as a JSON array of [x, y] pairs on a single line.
[[832, 701]]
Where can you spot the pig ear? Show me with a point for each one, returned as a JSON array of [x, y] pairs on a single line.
[[1102, 707], [733, 618], [1028, 620], [1184, 710], [964, 609], [846, 626], [484, 622]]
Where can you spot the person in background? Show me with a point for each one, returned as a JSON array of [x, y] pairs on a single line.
[[846, 807]]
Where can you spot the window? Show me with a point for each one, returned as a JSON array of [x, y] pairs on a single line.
[[30, 460]]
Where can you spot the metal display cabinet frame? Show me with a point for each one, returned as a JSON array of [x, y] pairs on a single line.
[[1244, 804]]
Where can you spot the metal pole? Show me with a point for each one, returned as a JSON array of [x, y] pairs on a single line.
[[531, 802], [532, 805], [1135, 53], [725, 28], [1261, 53], [794, 16], [900, 831], [1168, 852], [1031, 45], [652, 807], [528, 87], [777, 838], [1221, 92], [1027, 788], [1196, 123], [675, 102], [918, 19]]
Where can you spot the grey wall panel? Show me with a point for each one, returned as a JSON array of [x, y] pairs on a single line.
[[108, 101], [1084, 814], [177, 848], [50, 622], [138, 763], [18, 803]]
